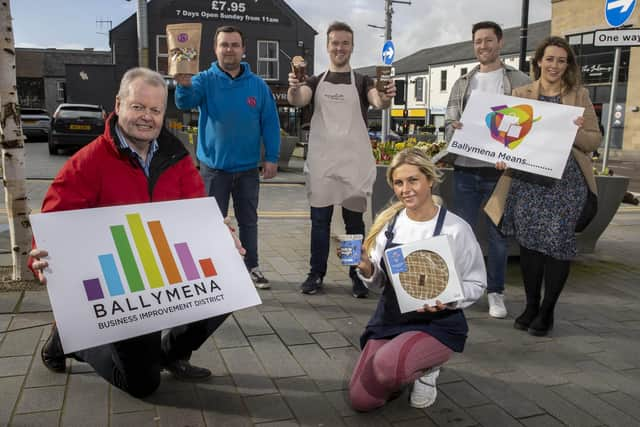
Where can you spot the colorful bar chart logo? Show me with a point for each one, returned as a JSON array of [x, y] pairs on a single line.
[[151, 268]]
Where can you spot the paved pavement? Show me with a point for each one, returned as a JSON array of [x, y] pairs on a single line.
[[287, 361]]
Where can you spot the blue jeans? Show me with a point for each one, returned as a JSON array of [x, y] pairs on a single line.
[[244, 187], [472, 191], [321, 234]]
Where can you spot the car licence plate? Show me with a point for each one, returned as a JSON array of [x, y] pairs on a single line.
[[29, 122], [80, 127]]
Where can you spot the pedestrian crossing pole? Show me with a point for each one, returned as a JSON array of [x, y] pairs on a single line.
[[388, 12], [388, 8]]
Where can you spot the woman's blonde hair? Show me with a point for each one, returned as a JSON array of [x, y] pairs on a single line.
[[410, 156]]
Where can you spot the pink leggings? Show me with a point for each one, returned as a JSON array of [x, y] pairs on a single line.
[[386, 365]]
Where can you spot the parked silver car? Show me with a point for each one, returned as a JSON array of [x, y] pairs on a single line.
[[36, 123]]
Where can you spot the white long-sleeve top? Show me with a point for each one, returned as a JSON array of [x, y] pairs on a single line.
[[464, 245]]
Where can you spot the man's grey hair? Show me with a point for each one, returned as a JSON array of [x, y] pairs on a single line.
[[148, 76]]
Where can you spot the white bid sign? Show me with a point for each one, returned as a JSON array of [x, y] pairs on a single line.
[[124, 271], [526, 134]]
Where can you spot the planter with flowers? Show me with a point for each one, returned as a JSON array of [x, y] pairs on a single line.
[[383, 153]]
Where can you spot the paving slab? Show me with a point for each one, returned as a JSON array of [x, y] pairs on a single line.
[[14, 366], [178, 409], [552, 403], [367, 420], [9, 392], [624, 402], [40, 399], [5, 319], [20, 343], [330, 340], [268, 408], [221, 404], [9, 301], [252, 323], [320, 367], [509, 399], [290, 331], [86, 402], [493, 415], [40, 419], [138, 419], [541, 421], [275, 357], [247, 372], [35, 301], [307, 403], [122, 402], [229, 334], [445, 412], [597, 408]]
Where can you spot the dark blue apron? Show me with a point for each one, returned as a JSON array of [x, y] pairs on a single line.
[[447, 326]]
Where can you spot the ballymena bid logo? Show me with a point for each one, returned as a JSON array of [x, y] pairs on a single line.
[[510, 125], [187, 288]]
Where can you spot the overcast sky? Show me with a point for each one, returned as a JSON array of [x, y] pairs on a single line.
[[425, 23]]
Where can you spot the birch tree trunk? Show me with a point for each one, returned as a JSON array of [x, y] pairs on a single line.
[[12, 143]]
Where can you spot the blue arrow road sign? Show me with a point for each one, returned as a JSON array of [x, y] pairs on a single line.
[[389, 51], [617, 12]]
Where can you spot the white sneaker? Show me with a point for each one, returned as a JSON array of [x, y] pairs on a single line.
[[424, 390], [496, 305]]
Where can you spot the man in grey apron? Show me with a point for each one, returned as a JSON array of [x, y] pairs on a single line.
[[340, 168]]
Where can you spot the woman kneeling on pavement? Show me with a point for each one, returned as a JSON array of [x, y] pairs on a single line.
[[402, 348]]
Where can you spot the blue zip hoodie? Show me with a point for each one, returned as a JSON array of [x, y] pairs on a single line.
[[235, 114]]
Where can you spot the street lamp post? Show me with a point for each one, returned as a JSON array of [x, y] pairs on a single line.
[[524, 26], [143, 34]]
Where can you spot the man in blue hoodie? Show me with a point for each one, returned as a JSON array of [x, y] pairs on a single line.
[[237, 112]]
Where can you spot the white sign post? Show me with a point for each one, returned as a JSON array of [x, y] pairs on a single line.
[[124, 271], [526, 134]]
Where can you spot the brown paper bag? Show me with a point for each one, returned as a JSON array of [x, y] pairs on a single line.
[[183, 42]]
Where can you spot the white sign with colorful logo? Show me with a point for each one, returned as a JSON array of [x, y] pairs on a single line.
[[526, 134], [124, 271]]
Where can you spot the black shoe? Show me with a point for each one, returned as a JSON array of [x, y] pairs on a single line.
[[183, 370], [359, 290], [311, 285], [541, 325], [523, 321], [52, 355]]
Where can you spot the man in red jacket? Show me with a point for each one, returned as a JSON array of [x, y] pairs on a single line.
[[134, 161]]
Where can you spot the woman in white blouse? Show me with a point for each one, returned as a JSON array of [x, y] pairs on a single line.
[[397, 348]]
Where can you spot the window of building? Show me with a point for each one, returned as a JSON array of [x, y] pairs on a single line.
[[463, 71], [596, 62], [162, 55], [268, 65], [443, 80], [61, 91], [419, 89]]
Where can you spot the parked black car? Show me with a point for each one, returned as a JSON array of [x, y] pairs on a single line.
[[75, 125], [36, 123]]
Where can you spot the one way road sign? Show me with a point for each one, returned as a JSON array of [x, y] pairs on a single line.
[[617, 12], [617, 38]]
